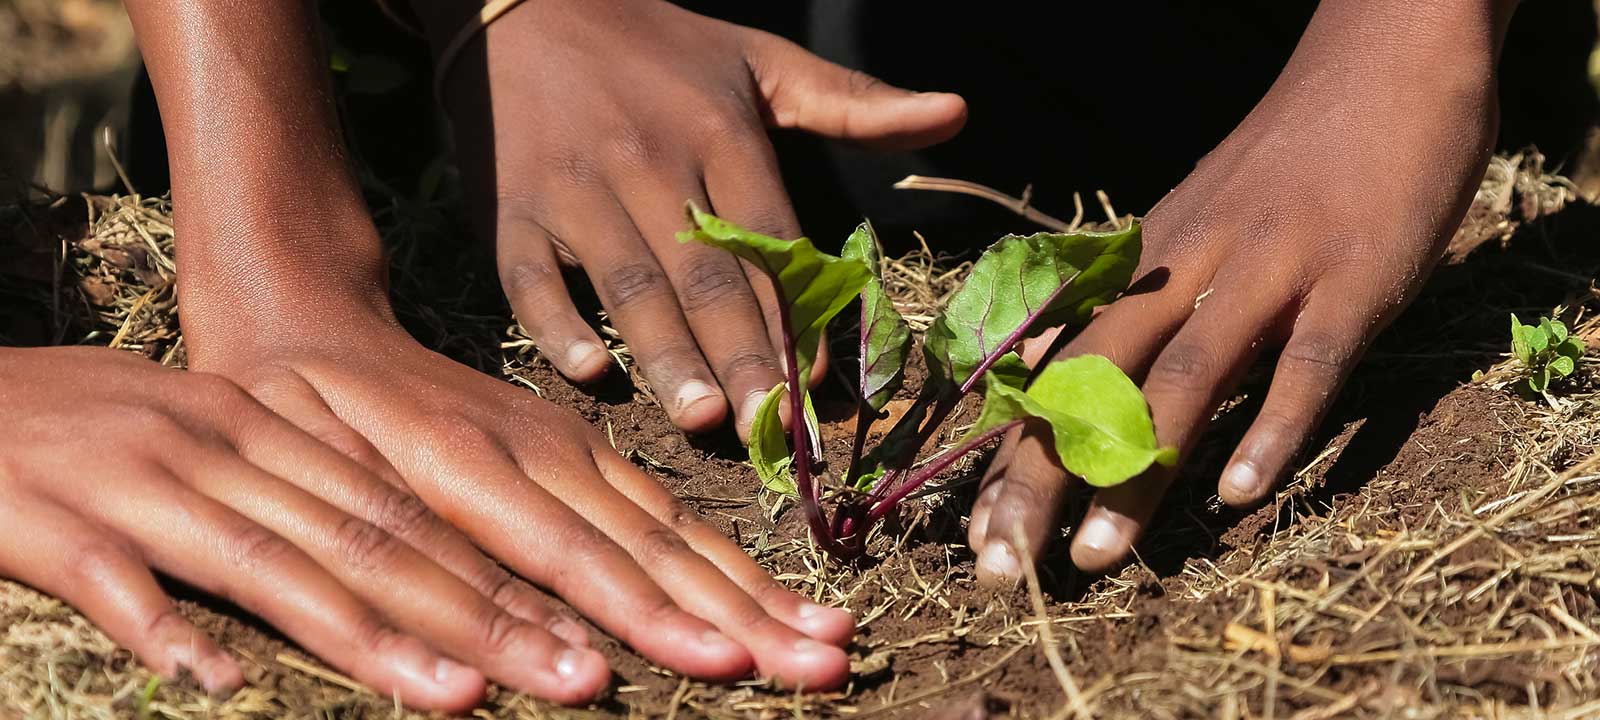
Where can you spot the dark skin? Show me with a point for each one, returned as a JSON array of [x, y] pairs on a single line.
[[1308, 228], [283, 293], [602, 181]]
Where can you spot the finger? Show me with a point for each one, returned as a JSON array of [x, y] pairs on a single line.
[[699, 587], [207, 545], [540, 298], [515, 519], [746, 187], [805, 92], [409, 589], [1192, 376], [93, 570], [827, 624], [716, 298], [642, 305], [374, 491], [1025, 487], [1327, 341]]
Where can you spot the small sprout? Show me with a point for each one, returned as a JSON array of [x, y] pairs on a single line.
[[1018, 288], [1546, 351]]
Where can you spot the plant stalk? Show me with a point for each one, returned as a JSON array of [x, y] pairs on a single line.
[[932, 469], [799, 430]]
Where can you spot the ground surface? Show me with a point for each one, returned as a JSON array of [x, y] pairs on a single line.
[[1436, 555]]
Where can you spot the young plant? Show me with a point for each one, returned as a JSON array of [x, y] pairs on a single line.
[[1547, 352], [1018, 288]]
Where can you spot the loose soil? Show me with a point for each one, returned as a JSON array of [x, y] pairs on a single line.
[[1434, 555]]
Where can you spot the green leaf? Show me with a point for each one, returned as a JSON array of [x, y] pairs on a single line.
[[1097, 416], [1558, 331], [1538, 340], [1016, 280], [813, 286], [769, 445], [1563, 366], [1519, 342], [885, 336], [1540, 379], [1571, 347]]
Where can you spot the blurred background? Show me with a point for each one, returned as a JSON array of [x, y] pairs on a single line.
[[69, 72]]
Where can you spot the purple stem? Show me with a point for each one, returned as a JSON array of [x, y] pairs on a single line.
[[932, 469], [810, 494], [885, 491]]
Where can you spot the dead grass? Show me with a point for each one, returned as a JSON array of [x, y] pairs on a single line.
[[1483, 605]]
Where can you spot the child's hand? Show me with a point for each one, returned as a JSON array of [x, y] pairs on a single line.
[[1309, 228], [540, 490], [112, 467], [594, 123]]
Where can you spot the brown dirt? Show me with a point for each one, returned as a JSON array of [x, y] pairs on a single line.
[[1305, 608]]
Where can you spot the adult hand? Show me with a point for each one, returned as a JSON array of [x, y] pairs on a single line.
[[1309, 227], [591, 126], [541, 491]]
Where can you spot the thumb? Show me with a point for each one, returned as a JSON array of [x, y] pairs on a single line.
[[805, 92]]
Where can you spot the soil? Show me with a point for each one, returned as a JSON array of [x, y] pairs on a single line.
[[1416, 457]]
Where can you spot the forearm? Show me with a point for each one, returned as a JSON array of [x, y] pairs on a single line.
[[1455, 43], [269, 216]]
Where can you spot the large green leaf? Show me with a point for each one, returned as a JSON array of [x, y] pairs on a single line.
[[814, 285], [885, 336], [1098, 417], [1017, 280], [769, 445]]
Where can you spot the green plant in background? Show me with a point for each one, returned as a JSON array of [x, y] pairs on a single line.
[[1018, 287], [1546, 351]]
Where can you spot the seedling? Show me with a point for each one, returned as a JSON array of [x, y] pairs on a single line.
[[1546, 351], [1019, 287]]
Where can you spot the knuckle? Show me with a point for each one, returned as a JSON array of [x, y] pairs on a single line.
[[636, 148], [707, 281], [1319, 349], [629, 283], [585, 544], [500, 632], [146, 420], [255, 547], [1184, 366], [374, 634], [461, 433], [734, 125], [772, 220], [661, 546], [529, 277], [404, 515], [167, 624], [575, 169], [681, 518], [365, 546], [498, 585], [749, 361]]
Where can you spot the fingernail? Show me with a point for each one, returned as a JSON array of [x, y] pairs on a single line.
[[692, 392], [568, 664], [1242, 477], [444, 670], [1099, 533], [570, 632], [582, 354], [1000, 560], [752, 403]]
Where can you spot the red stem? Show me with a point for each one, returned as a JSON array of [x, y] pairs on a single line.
[[810, 494], [932, 469]]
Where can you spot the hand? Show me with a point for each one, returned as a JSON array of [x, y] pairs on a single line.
[[1309, 227], [592, 125], [542, 492], [186, 474]]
